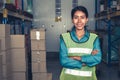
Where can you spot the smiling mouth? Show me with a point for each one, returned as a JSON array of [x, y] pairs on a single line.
[[79, 25]]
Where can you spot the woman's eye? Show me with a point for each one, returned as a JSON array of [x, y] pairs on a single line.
[[82, 17], [75, 17]]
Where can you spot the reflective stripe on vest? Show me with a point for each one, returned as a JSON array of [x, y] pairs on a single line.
[[80, 50], [78, 73]]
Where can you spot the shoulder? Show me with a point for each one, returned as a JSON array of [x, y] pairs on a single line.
[[93, 34], [65, 34]]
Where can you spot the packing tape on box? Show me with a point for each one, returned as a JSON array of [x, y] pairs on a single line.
[[37, 35]]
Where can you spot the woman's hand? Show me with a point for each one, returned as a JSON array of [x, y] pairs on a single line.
[[94, 52]]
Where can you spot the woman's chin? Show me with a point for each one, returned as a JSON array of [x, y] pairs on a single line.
[[79, 28]]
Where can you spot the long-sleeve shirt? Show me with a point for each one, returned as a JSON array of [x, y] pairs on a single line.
[[90, 60]]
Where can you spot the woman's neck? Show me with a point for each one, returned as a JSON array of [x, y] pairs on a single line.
[[80, 33]]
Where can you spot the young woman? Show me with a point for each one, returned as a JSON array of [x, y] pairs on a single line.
[[79, 49]]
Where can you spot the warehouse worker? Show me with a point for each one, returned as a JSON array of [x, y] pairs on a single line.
[[79, 49]]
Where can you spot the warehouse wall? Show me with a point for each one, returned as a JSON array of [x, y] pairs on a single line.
[[44, 16]]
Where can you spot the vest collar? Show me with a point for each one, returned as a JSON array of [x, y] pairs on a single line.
[[83, 39]]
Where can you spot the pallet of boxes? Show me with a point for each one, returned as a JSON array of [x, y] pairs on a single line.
[[13, 55], [39, 70], [0, 63], [4, 50], [19, 57]]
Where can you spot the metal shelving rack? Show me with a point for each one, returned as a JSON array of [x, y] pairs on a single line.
[[19, 17], [106, 24]]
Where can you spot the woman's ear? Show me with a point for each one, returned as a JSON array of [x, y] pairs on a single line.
[[87, 19]]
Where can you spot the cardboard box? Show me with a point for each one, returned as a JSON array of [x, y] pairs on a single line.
[[18, 76], [38, 45], [39, 66], [17, 41], [0, 45], [3, 57], [49, 75], [5, 43], [4, 30], [18, 59], [9, 70], [1, 67], [37, 34], [38, 56], [12, 60], [39, 76], [4, 71]]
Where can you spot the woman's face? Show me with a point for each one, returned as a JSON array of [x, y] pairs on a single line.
[[79, 20]]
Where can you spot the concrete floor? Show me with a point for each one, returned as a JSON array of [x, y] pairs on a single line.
[[105, 72]]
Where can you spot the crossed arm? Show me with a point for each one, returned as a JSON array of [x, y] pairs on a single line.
[[94, 52], [79, 58], [79, 61]]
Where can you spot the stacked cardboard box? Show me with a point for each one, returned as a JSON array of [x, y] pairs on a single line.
[[17, 58], [39, 70], [0, 67], [13, 55], [0, 45], [4, 50]]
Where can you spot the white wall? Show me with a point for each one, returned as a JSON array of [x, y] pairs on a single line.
[[44, 14]]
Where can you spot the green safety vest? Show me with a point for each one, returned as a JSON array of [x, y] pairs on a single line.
[[79, 49]]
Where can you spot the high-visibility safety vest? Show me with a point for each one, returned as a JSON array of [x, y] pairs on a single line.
[[79, 49]]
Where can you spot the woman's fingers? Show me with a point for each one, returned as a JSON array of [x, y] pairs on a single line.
[[94, 52]]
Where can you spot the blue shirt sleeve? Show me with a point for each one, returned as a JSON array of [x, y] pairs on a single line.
[[92, 60], [65, 60]]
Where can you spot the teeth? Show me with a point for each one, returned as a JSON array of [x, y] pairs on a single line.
[[79, 25]]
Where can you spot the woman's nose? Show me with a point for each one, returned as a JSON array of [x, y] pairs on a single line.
[[79, 20]]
